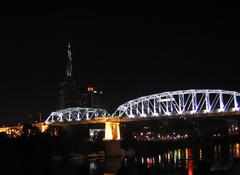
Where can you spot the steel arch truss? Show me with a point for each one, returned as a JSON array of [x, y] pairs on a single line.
[[180, 103], [76, 114]]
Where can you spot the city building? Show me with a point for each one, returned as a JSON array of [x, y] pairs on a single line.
[[74, 94], [68, 88], [67, 93], [90, 97]]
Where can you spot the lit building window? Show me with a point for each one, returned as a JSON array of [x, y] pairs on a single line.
[[90, 89]]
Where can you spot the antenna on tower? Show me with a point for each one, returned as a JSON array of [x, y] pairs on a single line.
[[69, 62]]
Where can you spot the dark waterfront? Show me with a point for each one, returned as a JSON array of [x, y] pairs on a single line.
[[181, 160]]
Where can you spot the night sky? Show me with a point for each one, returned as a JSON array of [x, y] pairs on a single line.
[[125, 52]]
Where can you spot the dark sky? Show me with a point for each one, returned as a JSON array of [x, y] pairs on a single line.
[[126, 52]]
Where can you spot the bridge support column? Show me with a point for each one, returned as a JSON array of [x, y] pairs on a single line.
[[112, 139]]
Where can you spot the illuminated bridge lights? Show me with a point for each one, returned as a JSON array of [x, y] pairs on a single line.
[[184, 102], [166, 104], [76, 114]]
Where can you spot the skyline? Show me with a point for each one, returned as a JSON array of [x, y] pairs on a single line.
[[127, 53]]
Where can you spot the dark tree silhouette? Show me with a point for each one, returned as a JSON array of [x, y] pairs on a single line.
[[29, 130]]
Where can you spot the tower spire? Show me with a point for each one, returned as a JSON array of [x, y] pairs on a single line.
[[69, 62]]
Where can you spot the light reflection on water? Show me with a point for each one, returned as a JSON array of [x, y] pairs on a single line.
[[218, 155], [177, 160]]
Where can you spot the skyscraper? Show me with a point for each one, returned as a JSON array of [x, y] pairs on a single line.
[[68, 89], [90, 97], [69, 62], [73, 94]]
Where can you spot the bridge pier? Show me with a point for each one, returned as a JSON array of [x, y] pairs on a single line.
[[112, 139]]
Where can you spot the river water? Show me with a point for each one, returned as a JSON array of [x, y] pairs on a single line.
[[175, 161]]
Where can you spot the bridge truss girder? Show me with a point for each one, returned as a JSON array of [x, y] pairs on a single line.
[[76, 114], [193, 101]]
